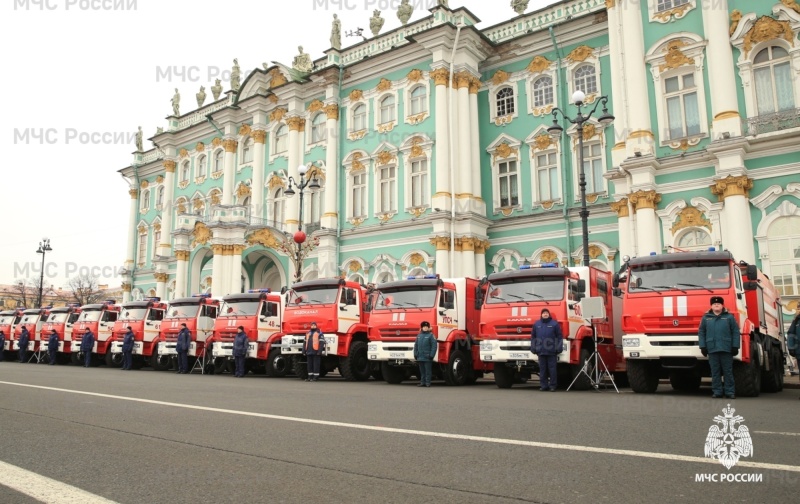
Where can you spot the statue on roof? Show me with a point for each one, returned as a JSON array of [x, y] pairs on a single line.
[[376, 23], [519, 6], [139, 134], [176, 103], [404, 12], [201, 96], [336, 33], [216, 90], [302, 62], [235, 72], [442, 3]]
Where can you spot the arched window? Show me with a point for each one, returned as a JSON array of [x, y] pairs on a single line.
[[318, 128], [694, 239], [772, 72], [281, 139], [145, 200], [585, 79], [156, 239], [359, 194], [360, 117], [247, 151], [593, 167], [508, 183], [784, 254], [388, 188], [419, 183], [201, 166], [419, 100], [185, 171], [505, 101], [665, 5], [142, 255], [543, 91], [160, 196], [276, 211], [218, 166], [387, 109]]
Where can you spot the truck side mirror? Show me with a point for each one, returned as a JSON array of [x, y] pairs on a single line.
[[615, 280], [581, 285], [616, 292], [752, 272], [750, 286]]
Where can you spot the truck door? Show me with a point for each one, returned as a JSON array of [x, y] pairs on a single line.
[[269, 320], [446, 313], [106, 324], [741, 302], [152, 324], [349, 309]]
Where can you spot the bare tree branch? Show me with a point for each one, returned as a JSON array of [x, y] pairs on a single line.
[[84, 289]]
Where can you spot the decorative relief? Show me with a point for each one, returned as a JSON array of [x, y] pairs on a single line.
[[675, 57], [416, 119], [276, 78], [259, 136], [357, 135], [134, 193], [690, 217], [183, 184], [354, 266], [169, 166], [464, 79], [767, 28], [264, 237], [277, 114], [676, 12], [198, 204], [332, 111], [272, 98], [595, 251], [199, 180], [441, 242], [441, 77], [502, 121], [620, 208], [644, 199], [217, 175], [182, 255], [792, 4], [275, 181], [244, 130], [507, 211], [538, 64], [590, 131], [592, 198], [580, 54], [356, 221], [145, 184], [610, 4], [315, 172], [732, 186], [548, 256], [386, 217], [384, 158], [547, 205], [181, 206], [386, 127], [357, 164], [736, 17], [540, 111], [230, 145], [356, 95], [416, 149], [684, 144], [161, 277], [417, 212], [315, 106], [475, 85], [498, 78], [216, 142], [142, 229], [416, 260], [543, 141], [201, 234], [415, 75], [216, 197], [160, 179], [183, 153], [296, 123], [383, 85], [504, 151]]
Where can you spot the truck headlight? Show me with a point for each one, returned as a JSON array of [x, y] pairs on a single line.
[[630, 342], [372, 347]]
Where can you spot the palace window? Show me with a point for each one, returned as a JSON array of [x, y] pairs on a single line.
[[664, 5], [543, 92], [201, 166], [388, 186], [772, 72], [508, 182], [276, 210], [282, 139], [185, 171], [547, 176], [694, 239], [419, 100], [359, 194], [142, 255], [505, 101], [784, 254], [318, 124], [585, 79], [156, 240], [683, 111], [387, 108], [360, 117], [159, 197], [593, 167], [145, 200], [247, 151], [419, 183], [218, 163]]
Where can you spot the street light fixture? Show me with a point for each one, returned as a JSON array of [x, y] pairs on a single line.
[[44, 248], [555, 131], [300, 237]]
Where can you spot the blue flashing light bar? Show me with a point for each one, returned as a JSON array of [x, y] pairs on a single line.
[[256, 291], [429, 276], [154, 299], [74, 305], [525, 266], [204, 295], [538, 265], [712, 249], [110, 301], [652, 253]]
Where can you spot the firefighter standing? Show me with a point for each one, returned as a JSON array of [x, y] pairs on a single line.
[[240, 345], [547, 342], [719, 341], [182, 347], [24, 338], [52, 347], [127, 350], [313, 348], [87, 345], [424, 351]]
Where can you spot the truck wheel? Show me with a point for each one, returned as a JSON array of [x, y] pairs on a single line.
[[772, 380], [377, 371], [300, 368], [392, 374], [356, 366], [75, 360], [113, 360], [277, 364], [685, 381], [582, 383], [220, 365], [747, 377], [503, 376], [459, 369], [642, 376], [160, 362]]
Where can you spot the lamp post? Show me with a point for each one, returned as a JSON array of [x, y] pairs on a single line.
[[44, 248], [578, 98], [300, 236]]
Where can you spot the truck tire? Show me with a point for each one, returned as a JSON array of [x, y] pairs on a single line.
[[76, 361], [772, 380], [503, 376], [582, 382], [220, 365], [300, 367], [685, 381], [392, 374], [113, 360], [377, 371], [642, 376], [356, 366], [459, 369], [747, 377], [277, 364], [160, 362]]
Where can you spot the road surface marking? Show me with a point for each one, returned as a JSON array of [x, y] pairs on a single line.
[[45, 489], [444, 435]]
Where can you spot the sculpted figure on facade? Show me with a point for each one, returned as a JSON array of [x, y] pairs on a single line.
[[302, 62], [201, 96], [376, 23], [159, 130], [443, 3], [519, 6], [216, 90], [404, 12], [176, 103], [235, 73], [336, 33], [139, 134]]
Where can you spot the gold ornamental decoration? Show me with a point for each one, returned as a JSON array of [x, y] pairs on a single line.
[[690, 217], [332, 111], [354, 266], [416, 212], [263, 237], [134, 193], [610, 4], [276, 78], [644, 199], [767, 28], [441, 77], [161, 277], [736, 16], [182, 255], [416, 259], [504, 151], [181, 206], [201, 234], [589, 131], [198, 204], [675, 57], [296, 123], [414, 75], [792, 4], [543, 141], [183, 153], [356, 95], [272, 98], [277, 114], [539, 64], [169, 166], [216, 142], [677, 12], [200, 147], [620, 208], [732, 186], [580, 54], [216, 197], [275, 182], [383, 85], [500, 77], [159, 179], [145, 184], [595, 251], [357, 164], [416, 149], [475, 85], [547, 205], [230, 145], [548, 256], [463, 79], [244, 130], [142, 229], [315, 106], [259, 136], [441, 242], [384, 158]]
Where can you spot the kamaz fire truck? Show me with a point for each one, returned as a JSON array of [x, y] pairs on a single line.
[[198, 313], [62, 320], [8, 321], [514, 301], [32, 319], [449, 306], [100, 319], [664, 298], [144, 318], [339, 307], [259, 311]]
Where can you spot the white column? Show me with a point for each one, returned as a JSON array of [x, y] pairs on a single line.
[[737, 224], [235, 272], [721, 75], [640, 136], [217, 270], [647, 226], [165, 247], [467, 260], [229, 173], [480, 257], [330, 205], [618, 88], [296, 127], [132, 211], [442, 245], [161, 285], [464, 149], [441, 196], [475, 141], [623, 227], [126, 293], [257, 187], [181, 270]]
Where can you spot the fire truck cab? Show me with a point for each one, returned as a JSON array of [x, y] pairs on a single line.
[[514, 301], [32, 319], [144, 318], [198, 313], [62, 320], [100, 319], [449, 306], [665, 297], [8, 321]]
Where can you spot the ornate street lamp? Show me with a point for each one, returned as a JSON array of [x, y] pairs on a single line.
[[555, 131], [300, 236], [44, 248]]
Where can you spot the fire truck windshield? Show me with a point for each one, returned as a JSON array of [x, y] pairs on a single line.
[[29, 318], [304, 297], [58, 318], [90, 316], [183, 311], [680, 276], [526, 289], [407, 298], [239, 308], [133, 313], [6, 319]]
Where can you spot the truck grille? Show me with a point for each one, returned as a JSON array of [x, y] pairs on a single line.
[[513, 330], [399, 333], [662, 323]]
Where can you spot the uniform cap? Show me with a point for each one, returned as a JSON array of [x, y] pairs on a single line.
[[717, 299]]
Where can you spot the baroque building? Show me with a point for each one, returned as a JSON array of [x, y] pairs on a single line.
[[430, 147]]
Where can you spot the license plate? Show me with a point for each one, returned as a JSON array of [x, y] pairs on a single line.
[[397, 355], [518, 355]]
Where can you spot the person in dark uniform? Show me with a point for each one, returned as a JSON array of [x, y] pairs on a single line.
[[24, 339], [52, 347], [313, 348], [720, 338], [182, 347], [127, 350], [240, 344], [2, 345], [87, 345], [424, 351], [547, 342]]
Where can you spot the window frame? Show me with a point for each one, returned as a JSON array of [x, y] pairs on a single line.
[[666, 15], [785, 60]]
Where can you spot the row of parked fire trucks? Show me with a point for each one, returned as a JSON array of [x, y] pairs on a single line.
[[653, 307]]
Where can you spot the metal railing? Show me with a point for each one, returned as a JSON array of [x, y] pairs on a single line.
[[769, 123]]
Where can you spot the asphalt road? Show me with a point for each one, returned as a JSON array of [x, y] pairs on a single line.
[[147, 436]]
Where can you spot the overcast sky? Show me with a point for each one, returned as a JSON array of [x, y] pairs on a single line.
[[72, 72]]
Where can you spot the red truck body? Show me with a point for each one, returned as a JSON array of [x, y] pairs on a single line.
[[198, 313], [100, 319], [62, 320], [32, 319], [8, 321], [144, 318]]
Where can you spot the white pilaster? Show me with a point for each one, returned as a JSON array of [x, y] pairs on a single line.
[[217, 271], [463, 148], [475, 143], [721, 75], [330, 217], [441, 196], [229, 172], [296, 127], [257, 209], [639, 137], [132, 211], [165, 247], [619, 88], [181, 273]]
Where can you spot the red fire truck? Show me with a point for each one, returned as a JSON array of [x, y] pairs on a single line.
[[513, 303], [8, 321], [666, 295], [100, 319], [144, 318], [32, 319], [449, 306], [62, 320], [198, 313], [339, 307]]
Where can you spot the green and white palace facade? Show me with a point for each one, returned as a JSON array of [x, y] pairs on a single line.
[[430, 147]]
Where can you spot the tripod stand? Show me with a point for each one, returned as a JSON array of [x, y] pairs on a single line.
[[595, 374]]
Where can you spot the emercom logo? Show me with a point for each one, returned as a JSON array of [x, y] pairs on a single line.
[[729, 440]]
